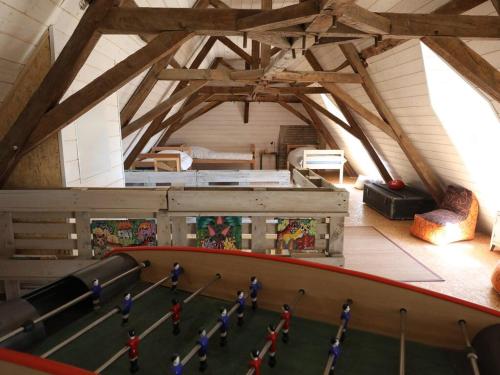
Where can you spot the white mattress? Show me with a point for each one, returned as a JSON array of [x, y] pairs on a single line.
[[205, 153]]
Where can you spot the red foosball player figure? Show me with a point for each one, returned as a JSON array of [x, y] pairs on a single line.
[[286, 316], [255, 361], [176, 316], [133, 351], [272, 336]]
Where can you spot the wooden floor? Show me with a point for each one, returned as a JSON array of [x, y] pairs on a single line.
[[465, 266]]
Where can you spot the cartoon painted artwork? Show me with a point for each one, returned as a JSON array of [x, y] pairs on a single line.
[[218, 232], [108, 234], [296, 234]]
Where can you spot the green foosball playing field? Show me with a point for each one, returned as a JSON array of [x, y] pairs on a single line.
[[305, 353]]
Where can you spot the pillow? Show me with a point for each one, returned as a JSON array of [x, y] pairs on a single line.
[[296, 156], [198, 152]]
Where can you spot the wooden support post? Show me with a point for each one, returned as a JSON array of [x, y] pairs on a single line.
[[12, 289], [7, 248], [83, 235], [54, 85], [179, 231], [336, 239], [424, 170], [265, 49], [259, 230], [163, 228]]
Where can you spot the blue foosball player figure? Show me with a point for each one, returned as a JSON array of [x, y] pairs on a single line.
[[345, 316], [224, 321], [96, 294], [202, 352], [335, 353], [174, 275], [255, 286], [126, 307], [176, 365], [240, 311]]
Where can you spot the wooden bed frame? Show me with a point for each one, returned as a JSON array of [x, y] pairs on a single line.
[[188, 150], [161, 162], [329, 157]]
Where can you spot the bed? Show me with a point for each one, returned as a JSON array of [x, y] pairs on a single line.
[[308, 157], [181, 158]]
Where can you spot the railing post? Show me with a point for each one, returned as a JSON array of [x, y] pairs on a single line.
[[83, 235], [7, 246], [259, 234], [163, 228], [179, 231], [335, 245]]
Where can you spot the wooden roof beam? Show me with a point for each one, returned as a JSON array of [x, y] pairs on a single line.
[[235, 48], [224, 22], [423, 169], [281, 17], [256, 99], [278, 90], [54, 85], [468, 63], [252, 75], [200, 57]]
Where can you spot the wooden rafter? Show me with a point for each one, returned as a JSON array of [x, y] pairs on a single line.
[[423, 169], [279, 18], [364, 20], [318, 107], [235, 48], [110, 81], [201, 111], [253, 75], [202, 54], [53, 87], [165, 105], [496, 4], [148, 82], [357, 129], [142, 91], [340, 94], [468, 63], [225, 22], [245, 90], [254, 99], [322, 129], [457, 6]]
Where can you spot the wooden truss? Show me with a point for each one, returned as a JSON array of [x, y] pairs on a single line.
[[278, 37]]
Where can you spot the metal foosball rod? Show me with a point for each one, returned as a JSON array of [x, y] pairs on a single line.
[[100, 320], [73, 302], [268, 344], [156, 324], [210, 333], [471, 353], [402, 342], [340, 332]]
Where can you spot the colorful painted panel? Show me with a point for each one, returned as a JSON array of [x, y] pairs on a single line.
[[108, 234], [296, 234], [218, 232]]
